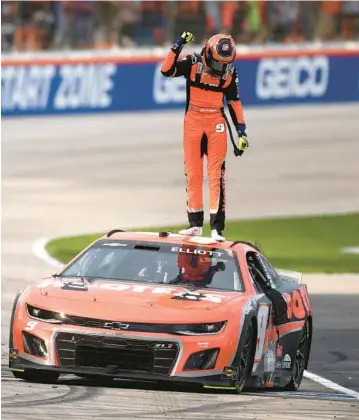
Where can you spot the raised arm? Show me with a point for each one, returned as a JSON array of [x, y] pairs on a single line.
[[172, 67]]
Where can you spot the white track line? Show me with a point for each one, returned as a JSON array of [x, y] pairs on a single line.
[[39, 249], [331, 385], [351, 250]]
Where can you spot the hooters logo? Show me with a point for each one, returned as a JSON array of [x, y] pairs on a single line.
[[298, 304]]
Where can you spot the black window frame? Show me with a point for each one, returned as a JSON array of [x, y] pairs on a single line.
[[160, 244]]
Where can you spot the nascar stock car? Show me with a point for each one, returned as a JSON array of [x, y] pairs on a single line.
[[165, 307]]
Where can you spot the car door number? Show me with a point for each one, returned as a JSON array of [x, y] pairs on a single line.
[[262, 320]]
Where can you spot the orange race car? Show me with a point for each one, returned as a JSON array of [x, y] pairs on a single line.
[[165, 307]]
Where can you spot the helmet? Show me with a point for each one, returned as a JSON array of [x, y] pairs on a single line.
[[219, 52]]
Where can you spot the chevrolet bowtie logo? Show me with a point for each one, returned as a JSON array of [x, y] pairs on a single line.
[[116, 325]]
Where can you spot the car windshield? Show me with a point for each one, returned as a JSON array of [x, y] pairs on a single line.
[[159, 263]]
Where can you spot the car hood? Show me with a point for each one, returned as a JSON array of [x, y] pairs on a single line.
[[120, 300]]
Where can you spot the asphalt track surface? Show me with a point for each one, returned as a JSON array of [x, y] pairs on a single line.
[[68, 175]]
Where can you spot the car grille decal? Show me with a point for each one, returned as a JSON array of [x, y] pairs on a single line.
[[116, 353]]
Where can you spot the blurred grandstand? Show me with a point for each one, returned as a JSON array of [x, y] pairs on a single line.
[[64, 25]]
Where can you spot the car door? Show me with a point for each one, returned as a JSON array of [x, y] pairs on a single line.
[[290, 308], [290, 297]]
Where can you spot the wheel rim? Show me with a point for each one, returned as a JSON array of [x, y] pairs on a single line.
[[301, 356], [245, 355]]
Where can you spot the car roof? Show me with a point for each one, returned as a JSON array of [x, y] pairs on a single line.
[[175, 238]]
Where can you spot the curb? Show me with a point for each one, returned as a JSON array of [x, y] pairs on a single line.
[[39, 250]]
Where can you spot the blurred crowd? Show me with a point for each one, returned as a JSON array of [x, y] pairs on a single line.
[[63, 25]]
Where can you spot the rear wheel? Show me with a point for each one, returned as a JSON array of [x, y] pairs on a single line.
[[38, 376], [301, 359], [246, 359]]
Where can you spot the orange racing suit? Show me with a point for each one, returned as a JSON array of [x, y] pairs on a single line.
[[205, 132], [195, 266]]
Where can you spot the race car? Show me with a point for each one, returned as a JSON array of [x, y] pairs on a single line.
[[159, 306]]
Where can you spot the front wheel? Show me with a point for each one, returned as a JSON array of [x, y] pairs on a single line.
[[38, 376], [301, 359], [245, 361]]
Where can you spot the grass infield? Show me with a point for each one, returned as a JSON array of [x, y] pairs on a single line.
[[306, 244]]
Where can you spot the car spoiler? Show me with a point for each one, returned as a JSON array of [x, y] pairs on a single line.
[[293, 276]]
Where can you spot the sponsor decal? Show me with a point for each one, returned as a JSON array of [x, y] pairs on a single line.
[[26, 87], [264, 267], [120, 287], [72, 86], [230, 372], [116, 326], [68, 87], [269, 357], [195, 296], [296, 77], [163, 346], [13, 354], [196, 251], [287, 362], [85, 86], [298, 304], [279, 351]]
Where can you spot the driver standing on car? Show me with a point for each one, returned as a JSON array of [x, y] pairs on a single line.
[[211, 77]]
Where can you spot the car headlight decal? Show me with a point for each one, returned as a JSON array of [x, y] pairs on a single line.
[[45, 315], [53, 317], [200, 329]]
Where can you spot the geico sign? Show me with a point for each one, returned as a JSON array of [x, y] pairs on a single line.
[[292, 77], [167, 89]]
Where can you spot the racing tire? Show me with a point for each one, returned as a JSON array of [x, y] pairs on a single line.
[[246, 359], [301, 359], [38, 376]]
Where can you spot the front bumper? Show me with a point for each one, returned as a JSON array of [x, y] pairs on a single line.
[[20, 362], [173, 371]]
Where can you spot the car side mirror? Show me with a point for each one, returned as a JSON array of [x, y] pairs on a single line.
[[279, 306]]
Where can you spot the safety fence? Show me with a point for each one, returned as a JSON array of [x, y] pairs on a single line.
[[115, 81]]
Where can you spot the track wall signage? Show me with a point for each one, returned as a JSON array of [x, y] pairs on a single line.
[[49, 84]]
